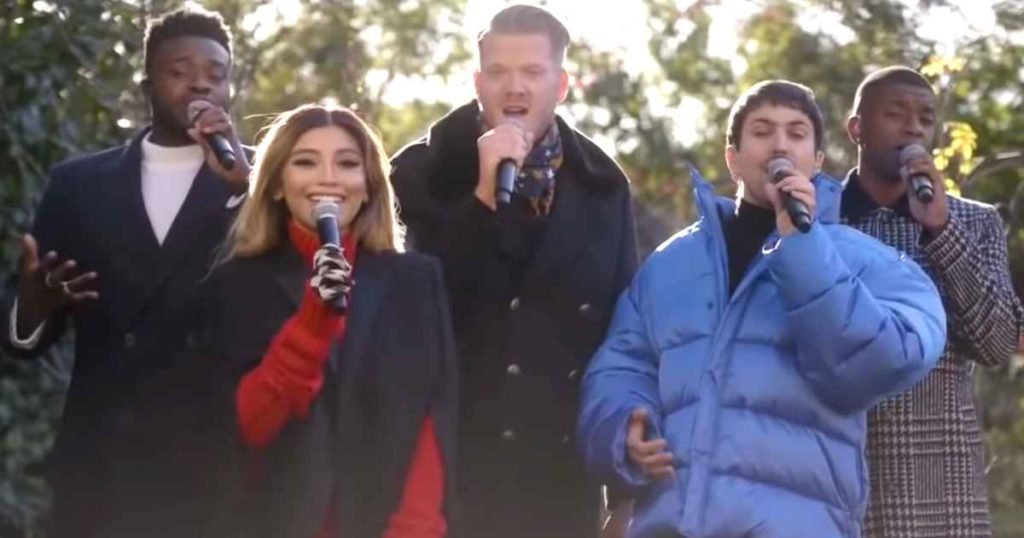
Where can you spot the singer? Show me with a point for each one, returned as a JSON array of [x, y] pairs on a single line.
[[927, 457], [120, 243], [347, 417], [731, 391], [532, 282]]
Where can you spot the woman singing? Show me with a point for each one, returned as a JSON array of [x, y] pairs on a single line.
[[340, 357]]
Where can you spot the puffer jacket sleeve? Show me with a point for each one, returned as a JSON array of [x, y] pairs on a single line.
[[621, 377], [859, 337]]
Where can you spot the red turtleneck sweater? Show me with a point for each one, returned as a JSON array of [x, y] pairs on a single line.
[[291, 375]]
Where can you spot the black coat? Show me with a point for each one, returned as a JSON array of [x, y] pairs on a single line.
[[121, 465], [522, 348], [395, 366]]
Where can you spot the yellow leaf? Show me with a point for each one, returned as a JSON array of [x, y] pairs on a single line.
[[952, 187]]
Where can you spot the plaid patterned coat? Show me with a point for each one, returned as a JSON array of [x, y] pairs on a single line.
[[925, 451]]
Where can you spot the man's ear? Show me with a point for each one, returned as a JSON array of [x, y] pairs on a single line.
[[476, 82], [730, 162], [819, 160], [853, 129], [563, 86]]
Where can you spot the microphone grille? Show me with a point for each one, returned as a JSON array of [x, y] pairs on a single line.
[[911, 151], [326, 207], [777, 165]]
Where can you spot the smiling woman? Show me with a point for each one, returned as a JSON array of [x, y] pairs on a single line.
[[346, 414], [310, 152]]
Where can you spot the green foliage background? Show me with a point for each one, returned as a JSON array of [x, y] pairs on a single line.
[[68, 74]]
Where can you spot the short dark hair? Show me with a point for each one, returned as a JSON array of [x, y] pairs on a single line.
[[186, 21], [779, 93], [888, 76], [526, 19]]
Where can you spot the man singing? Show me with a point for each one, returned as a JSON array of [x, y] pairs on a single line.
[[926, 454], [121, 240], [532, 282], [730, 396]]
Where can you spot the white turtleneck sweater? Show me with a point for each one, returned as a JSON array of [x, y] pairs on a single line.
[[167, 176]]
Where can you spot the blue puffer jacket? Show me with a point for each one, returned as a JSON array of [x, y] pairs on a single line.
[[761, 396]]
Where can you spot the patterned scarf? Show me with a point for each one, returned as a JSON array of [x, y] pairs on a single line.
[[536, 180], [535, 183]]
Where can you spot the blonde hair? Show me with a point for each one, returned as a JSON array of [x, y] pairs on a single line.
[[261, 223]]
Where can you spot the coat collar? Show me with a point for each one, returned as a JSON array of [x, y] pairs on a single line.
[[710, 205], [856, 203], [453, 160]]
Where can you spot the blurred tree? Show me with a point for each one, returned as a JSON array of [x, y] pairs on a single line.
[[57, 66], [350, 52]]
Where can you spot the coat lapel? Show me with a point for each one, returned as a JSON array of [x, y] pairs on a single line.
[[290, 272], [198, 217], [133, 248], [372, 278], [127, 209], [580, 216], [566, 235], [204, 205]]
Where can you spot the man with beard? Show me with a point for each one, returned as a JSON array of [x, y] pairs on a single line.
[[532, 282], [925, 449], [121, 240]]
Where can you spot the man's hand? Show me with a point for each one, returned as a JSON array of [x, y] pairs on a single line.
[[800, 188], [213, 119], [649, 456], [934, 215], [46, 285], [506, 141]]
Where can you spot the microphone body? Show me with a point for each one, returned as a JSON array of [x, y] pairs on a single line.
[[507, 173], [797, 210], [218, 142], [920, 184], [327, 215]]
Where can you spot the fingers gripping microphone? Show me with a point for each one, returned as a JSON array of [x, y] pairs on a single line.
[[797, 210], [920, 183], [506, 181], [218, 142], [327, 215]]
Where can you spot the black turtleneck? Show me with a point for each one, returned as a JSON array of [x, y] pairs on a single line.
[[745, 232]]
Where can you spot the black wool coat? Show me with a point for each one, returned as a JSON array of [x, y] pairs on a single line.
[[523, 345], [125, 454], [394, 367]]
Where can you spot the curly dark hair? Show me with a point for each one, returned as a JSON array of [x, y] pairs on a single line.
[[186, 21]]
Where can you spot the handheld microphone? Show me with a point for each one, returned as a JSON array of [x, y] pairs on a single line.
[[920, 183], [218, 142], [327, 215], [797, 210], [507, 173]]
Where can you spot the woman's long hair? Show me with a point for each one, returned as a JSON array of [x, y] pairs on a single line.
[[260, 226]]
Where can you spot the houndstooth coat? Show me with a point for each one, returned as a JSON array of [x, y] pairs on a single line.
[[925, 450]]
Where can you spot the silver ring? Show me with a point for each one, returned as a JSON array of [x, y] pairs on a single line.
[[64, 288], [49, 283]]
